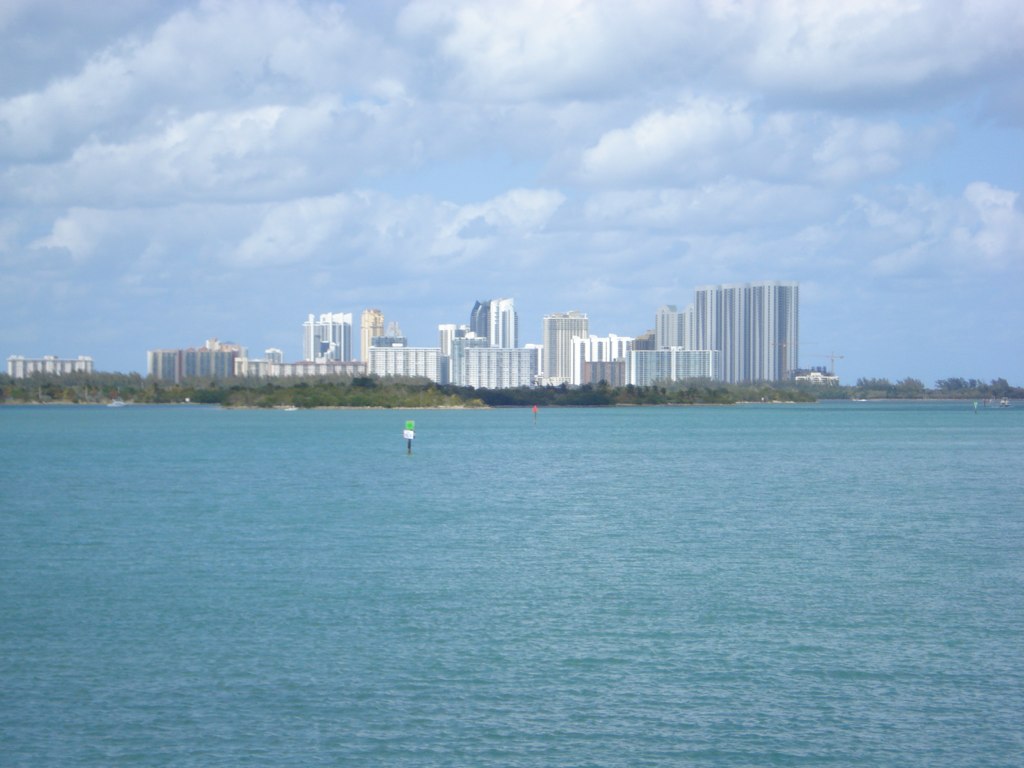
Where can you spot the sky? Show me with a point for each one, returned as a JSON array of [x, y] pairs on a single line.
[[173, 172]]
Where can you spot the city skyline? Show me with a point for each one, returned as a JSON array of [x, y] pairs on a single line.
[[175, 171]]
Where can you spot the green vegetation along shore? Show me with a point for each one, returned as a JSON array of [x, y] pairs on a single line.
[[371, 392]]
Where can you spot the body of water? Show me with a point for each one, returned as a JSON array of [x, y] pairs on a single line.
[[799, 585]]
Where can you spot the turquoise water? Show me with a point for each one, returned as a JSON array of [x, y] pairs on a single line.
[[805, 585]]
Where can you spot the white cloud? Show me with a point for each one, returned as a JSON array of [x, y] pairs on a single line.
[[993, 236], [80, 232], [687, 142], [219, 51], [502, 223], [265, 152], [293, 231], [705, 139], [851, 150], [875, 45], [721, 208], [532, 49], [873, 48]]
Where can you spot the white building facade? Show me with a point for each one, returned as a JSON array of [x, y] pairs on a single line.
[[646, 367], [597, 349], [497, 368], [408, 362], [559, 329], [755, 326], [275, 369], [503, 324], [673, 328], [19, 367], [328, 337]]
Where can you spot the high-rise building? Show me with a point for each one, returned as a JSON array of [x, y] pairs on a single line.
[[480, 319], [775, 330], [559, 329], [496, 320], [164, 364], [504, 324], [213, 360], [328, 337], [755, 326], [673, 328], [596, 349], [370, 324], [457, 358], [447, 333], [393, 338]]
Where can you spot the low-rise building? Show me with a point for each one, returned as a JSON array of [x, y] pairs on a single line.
[[19, 367], [645, 367], [498, 368], [817, 378], [409, 362], [273, 369]]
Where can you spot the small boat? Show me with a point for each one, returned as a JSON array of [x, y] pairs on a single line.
[[116, 403], [1004, 403]]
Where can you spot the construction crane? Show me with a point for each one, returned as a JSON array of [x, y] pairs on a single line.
[[832, 362]]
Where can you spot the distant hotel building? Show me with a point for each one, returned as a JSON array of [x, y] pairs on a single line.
[[214, 360], [19, 367], [328, 337], [559, 329]]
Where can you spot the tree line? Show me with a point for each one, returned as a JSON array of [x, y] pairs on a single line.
[[374, 392]]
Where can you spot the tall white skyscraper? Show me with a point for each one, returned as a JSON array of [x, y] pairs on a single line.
[[328, 337], [559, 329], [497, 321], [755, 326], [503, 330]]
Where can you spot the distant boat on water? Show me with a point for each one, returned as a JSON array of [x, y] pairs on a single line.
[[116, 403], [1004, 403]]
